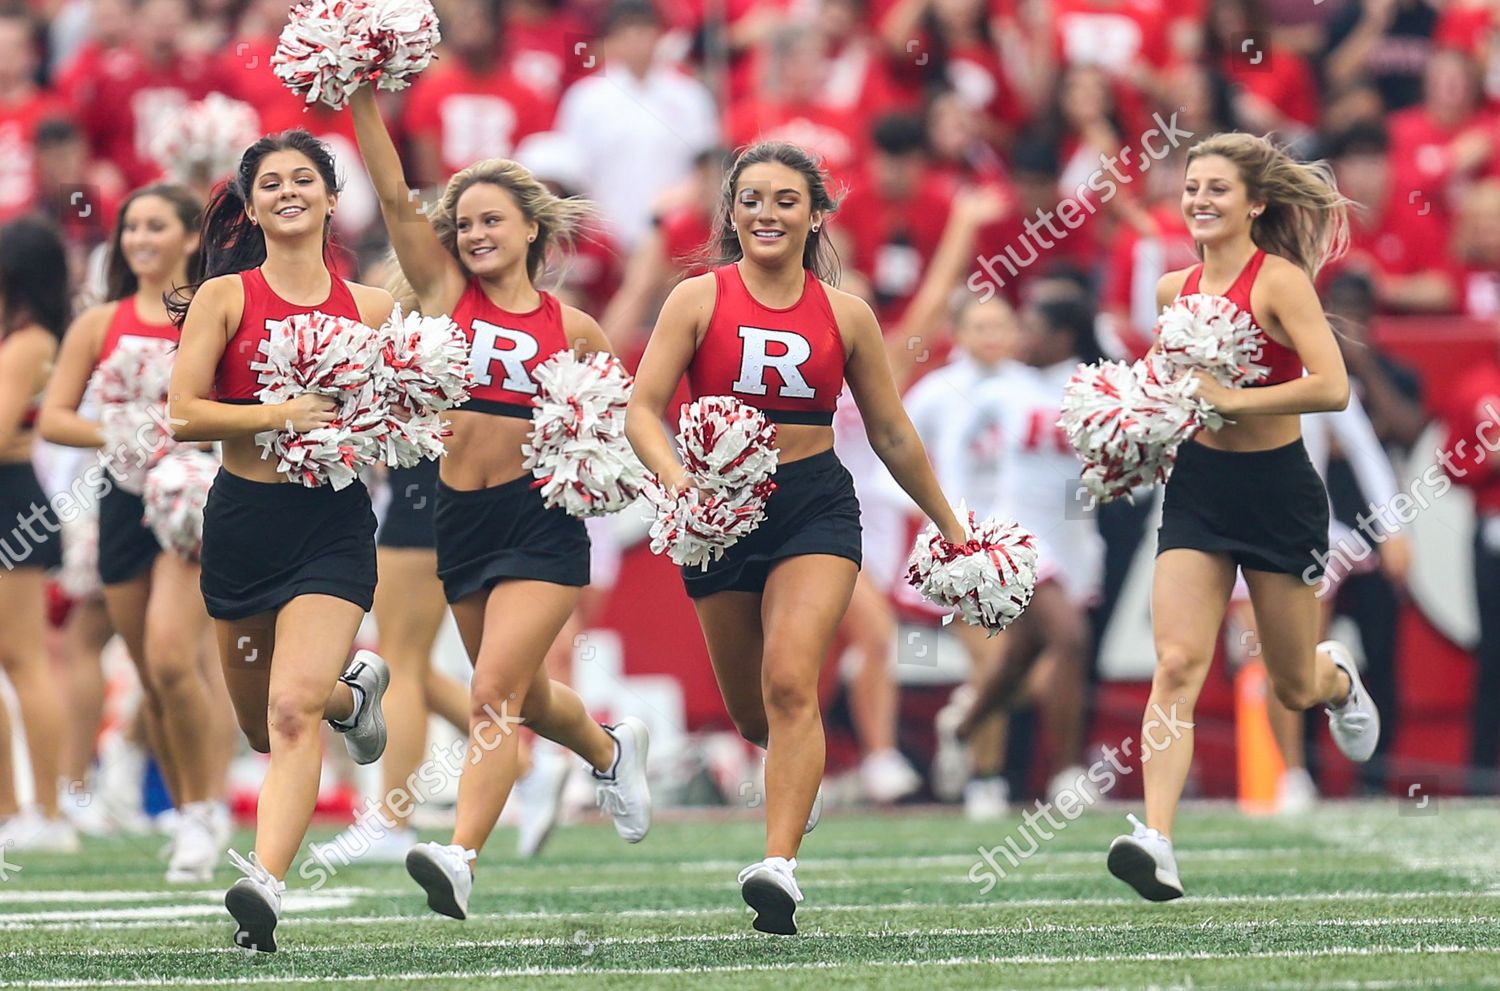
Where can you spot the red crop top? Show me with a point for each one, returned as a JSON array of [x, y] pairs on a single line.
[[234, 382], [1281, 361], [127, 322], [505, 348], [788, 363]]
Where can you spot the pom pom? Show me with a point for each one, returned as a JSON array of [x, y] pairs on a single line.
[[990, 578], [329, 48], [132, 388], [79, 575], [204, 141], [577, 447], [727, 449], [1213, 334], [176, 491], [424, 362]]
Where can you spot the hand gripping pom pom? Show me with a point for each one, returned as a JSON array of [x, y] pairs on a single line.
[[203, 142], [727, 449], [176, 491], [989, 579], [329, 48], [132, 388], [79, 575], [1213, 334], [577, 447]]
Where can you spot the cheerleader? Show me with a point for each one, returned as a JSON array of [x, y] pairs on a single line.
[[1247, 496], [765, 327], [152, 598], [511, 568], [288, 572], [33, 312]]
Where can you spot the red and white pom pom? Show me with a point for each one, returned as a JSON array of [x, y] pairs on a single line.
[[132, 388], [699, 525], [335, 357], [137, 371], [577, 448], [329, 48], [424, 362], [726, 444], [204, 140], [176, 492], [989, 579], [1213, 334], [79, 575]]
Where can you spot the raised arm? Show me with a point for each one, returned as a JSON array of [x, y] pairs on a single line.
[[668, 354], [60, 421], [887, 426], [432, 272]]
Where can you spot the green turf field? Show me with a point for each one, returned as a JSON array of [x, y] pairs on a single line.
[[1353, 896]]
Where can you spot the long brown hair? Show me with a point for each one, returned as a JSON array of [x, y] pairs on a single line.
[[817, 254], [1306, 218], [119, 280]]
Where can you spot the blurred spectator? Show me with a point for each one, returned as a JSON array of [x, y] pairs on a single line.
[[22, 108], [1274, 89], [1444, 141], [1129, 40], [84, 28], [858, 79], [591, 276], [1387, 41], [79, 193], [1390, 392], [956, 143], [469, 105], [1476, 250], [639, 124], [547, 47], [131, 91], [1391, 236], [890, 224]]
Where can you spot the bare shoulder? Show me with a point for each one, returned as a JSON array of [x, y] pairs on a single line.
[[578, 325], [697, 292], [1279, 271], [92, 323], [375, 304], [1169, 285], [227, 291]]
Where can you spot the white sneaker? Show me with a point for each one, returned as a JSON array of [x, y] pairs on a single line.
[[195, 846], [771, 889], [887, 777], [1075, 781], [119, 785], [222, 821], [1144, 860], [816, 815], [950, 764], [1355, 724], [986, 799], [364, 734], [623, 792], [370, 840], [255, 902], [1296, 794], [539, 796], [28, 830], [444, 873], [75, 799]]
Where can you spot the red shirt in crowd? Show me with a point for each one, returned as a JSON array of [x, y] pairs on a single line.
[[685, 233], [550, 54], [831, 135], [18, 125], [892, 241], [1419, 152], [473, 115], [1137, 261], [1472, 416], [1407, 238], [1289, 85]]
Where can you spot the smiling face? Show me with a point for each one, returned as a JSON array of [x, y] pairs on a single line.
[[153, 240], [773, 213], [290, 199], [492, 230], [1215, 200]]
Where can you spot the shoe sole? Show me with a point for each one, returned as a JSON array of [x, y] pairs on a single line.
[[441, 897], [775, 910], [256, 920], [1137, 868], [642, 749], [382, 682]]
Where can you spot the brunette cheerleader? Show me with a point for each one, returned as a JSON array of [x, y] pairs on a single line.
[[33, 312], [765, 327], [153, 598], [511, 568], [288, 571], [1247, 497]]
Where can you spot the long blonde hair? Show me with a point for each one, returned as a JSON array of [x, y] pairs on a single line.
[[1306, 218], [558, 219]]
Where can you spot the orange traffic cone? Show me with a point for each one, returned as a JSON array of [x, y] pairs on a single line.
[[1260, 761]]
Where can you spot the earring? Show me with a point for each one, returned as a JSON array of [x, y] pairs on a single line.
[[530, 238], [254, 222], [734, 227], [1254, 214], [815, 228]]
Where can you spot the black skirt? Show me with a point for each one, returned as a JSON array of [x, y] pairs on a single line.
[[408, 515], [265, 543], [485, 536], [1268, 510], [127, 547], [30, 532], [813, 511]]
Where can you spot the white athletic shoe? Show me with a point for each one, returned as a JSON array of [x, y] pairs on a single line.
[[364, 734], [369, 841], [222, 821], [1144, 860], [119, 785], [540, 798], [771, 889], [623, 791], [816, 815], [950, 764], [1075, 781], [444, 873], [255, 902], [29, 830], [1296, 794], [195, 846], [75, 799], [887, 777], [986, 799], [1355, 724]]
